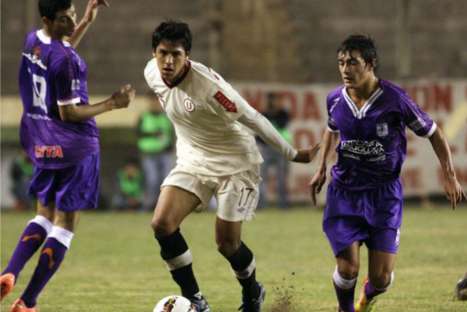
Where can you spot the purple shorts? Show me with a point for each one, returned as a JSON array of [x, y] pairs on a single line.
[[371, 216], [70, 189], [343, 232]]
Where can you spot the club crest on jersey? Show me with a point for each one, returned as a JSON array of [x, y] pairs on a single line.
[[225, 102], [36, 52], [189, 105], [382, 129]]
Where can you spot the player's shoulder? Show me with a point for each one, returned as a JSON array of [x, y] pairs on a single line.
[[205, 74], [31, 39], [394, 93], [61, 54], [152, 74], [35, 43], [391, 88], [334, 95]]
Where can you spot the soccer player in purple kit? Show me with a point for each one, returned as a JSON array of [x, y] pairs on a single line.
[[367, 117], [59, 133]]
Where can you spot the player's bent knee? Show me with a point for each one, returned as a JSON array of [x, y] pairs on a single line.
[[163, 226], [382, 280], [348, 269], [350, 272]]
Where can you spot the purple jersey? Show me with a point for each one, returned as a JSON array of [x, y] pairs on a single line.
[[53, 74], [372, 143]]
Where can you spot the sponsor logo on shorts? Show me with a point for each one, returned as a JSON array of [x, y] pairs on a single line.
[[48, 151], [225, 102]]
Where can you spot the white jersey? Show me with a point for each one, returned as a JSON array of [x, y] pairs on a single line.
[[209, 119]]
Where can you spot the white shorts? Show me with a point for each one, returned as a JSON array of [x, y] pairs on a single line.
[[236, 195]]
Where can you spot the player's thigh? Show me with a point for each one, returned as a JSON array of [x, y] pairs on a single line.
[[348, 261], [173, 205], [238, 195], [47, 211], [67, 219]]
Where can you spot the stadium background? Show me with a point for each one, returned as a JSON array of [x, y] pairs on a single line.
[[265, 46], [285, 46]]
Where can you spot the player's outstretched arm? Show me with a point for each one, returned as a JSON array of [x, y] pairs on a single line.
[[119, 99], [88, 18], [307, 155], [319, 178], [453, 189]]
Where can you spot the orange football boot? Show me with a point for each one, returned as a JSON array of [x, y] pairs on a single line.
[[20, 306], [7, 282]]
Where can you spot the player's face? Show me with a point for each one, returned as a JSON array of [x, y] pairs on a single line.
[[354, 71], [64, 23], [171, 59]]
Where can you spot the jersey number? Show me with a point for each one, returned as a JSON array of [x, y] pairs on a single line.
[[39, 88], [247, 197]]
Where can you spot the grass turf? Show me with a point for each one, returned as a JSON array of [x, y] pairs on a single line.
[[114, 264]]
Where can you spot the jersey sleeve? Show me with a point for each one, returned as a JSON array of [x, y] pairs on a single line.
[[150, 74], [415, 118], [230, 105], [66, 79], [331, 102]]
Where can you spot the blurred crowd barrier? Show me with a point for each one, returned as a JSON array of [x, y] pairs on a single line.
[[445, 100]]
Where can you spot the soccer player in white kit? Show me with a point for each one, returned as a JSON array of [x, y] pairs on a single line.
[[216, 156]]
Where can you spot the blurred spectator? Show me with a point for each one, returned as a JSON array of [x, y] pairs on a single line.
[[279, 117], [130, 187], [155, 142], [21, 172]]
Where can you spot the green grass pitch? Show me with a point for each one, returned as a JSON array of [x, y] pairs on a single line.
[[114, 265]]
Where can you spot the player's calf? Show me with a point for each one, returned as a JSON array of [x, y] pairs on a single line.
[[345, 291], [243, 264], [177, 256]]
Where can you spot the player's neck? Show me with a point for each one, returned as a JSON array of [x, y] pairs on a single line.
[[176, 80], [51, 35], [361, 94]]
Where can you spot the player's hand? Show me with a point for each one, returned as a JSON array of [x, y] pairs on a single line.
[[123, 97], [307, 155], [316, 183], [92, 8], [454, 192]]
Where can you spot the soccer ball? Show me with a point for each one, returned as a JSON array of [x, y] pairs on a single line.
[[174, 303]]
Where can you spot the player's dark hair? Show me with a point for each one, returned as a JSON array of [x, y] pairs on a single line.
[[364, 44], [49, 8], [172, 31]]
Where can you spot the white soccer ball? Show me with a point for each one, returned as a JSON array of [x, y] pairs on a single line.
[[174, 303]]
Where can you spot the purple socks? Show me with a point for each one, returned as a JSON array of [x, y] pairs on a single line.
[[51, 257], [32, 238]]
